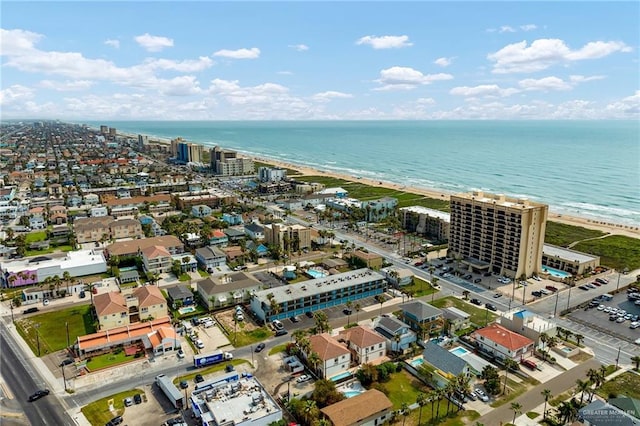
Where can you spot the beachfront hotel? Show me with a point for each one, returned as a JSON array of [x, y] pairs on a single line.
[[496, 233], [426, 221], [228, 163]]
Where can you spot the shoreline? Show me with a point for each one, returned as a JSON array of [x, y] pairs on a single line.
[[608, 227]]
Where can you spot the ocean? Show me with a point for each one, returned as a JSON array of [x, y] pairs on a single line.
[[582, 168]]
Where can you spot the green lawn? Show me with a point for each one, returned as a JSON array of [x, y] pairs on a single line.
[[52, 332], [404, 388], [615, 251], [244, 338], [108, 360], [625, 384], [98, 413], [52, 249], [203, 274], [367, 192], [277, 349], [419, 287], [35, 236], [184, 277], [478, 315], [562, 235]]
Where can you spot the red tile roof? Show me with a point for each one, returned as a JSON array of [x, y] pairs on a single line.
[[504, 337], [326, 347]]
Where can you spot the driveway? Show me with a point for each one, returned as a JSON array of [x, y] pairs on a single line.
[[534, 398]]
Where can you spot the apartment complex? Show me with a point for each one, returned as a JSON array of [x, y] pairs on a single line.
[[227, 163], [115, 309], [288, 237], [498, 233], [94, 229], [425, 221], [272, 174]]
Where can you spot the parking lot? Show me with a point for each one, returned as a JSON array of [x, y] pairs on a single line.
[[599, 319]]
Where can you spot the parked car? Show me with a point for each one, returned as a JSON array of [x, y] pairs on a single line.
[[303, 378], [180, 353], [491, 307], [497, 295], [347, 311], [128, 401], [30, 310], [66, 361], [309, 314], [115, 421], [294, 319], [468, 277], [281, 332], [536, 294], [529, 364], [551, 288], [40, 393], [137, 398], [199, 378], [229, 368], [477, 280], [45, 302], [199, 344], [483, 396], [184, 384], [260, 347], [476, 302]]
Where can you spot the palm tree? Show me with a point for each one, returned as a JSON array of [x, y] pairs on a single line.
[[509, 364], [349, 304], [582, 386], [298, 334], [434, 281], [315, 360], [439, 395], [579, 338], [551, 343], [421, 400], [449, 390], [310, 410], [404, 410], [564, 411], [546, 393], [636, 360], [433, 396], [90, 287], [380, 300], [465, 294], [517, 409], [544, 338], [66, 276]]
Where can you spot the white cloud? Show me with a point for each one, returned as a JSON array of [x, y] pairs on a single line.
[[506, 29], [329, 95], [299, 47], [15, 94], [483, 90], [153, 43], [545, 84], [113, 43], [583, 79], [543, 53], [17, 42], [180, 86], [405, 78], [66, 86], [285, 73], [443, 62], [628, 107], [385, 42], [528, 27], [202, 63], [252, 53]]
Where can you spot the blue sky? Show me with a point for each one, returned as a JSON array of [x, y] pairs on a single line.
[[319, 60]]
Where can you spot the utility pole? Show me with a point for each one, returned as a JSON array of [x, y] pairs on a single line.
[[64, 377], [555, 308], [618, 357], [66, 324], [11, 307]]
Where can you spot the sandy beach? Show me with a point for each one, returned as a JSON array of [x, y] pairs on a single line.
[[610, 228]]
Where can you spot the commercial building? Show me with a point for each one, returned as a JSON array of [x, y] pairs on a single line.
[[320, 293], [497, 233], [228, 163], [425, 221], [288, 237], [235, 400], [135, 247], [567, 260], [37, 269], [272, 174]]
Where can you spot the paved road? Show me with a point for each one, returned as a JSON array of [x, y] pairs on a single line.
[[534, 398]]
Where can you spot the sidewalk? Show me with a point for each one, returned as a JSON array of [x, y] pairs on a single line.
[[533, 398]]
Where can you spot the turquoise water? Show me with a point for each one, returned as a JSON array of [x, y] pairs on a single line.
[[583, 168], [351, 394], [187, 310], [556, 272], [341, 376], [316, 274], [459, 351], [128, 268], [417, 362]]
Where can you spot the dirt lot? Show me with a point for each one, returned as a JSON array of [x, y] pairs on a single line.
[[225, 319], [154, 409]]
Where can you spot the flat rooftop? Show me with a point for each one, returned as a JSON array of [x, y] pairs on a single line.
[[321, 285], [567, 254], [499, 200], [235, 402], [444, 216]]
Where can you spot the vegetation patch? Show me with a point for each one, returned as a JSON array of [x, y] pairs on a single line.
[[244, 338], [477, 315], [625, 384], [532, 414], [561, 234], [418, 287], [98, 412], [278, 349], [463, 418], [52, 327], [109, 360], [616, 251], [33, 237], [210, 370]]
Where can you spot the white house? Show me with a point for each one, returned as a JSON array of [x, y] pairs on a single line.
[[366, 345], [99, 211], [254, 231], [399, 335], [335, 358], [502, 343]]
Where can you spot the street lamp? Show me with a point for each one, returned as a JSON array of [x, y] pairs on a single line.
[[64, 377], [555, 308], [66, 324]]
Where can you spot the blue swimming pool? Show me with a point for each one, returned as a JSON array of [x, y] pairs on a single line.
[[341, 376], [555, 272], [351, 394], [314, 273], [128, 268], [417, 362], [459, 351]]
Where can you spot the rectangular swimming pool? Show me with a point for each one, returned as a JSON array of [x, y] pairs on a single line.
[[555, 272], [341, 376], [417, 362], [314, 273], [459, 351]]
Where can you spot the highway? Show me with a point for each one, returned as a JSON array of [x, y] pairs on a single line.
[[23, 380]]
